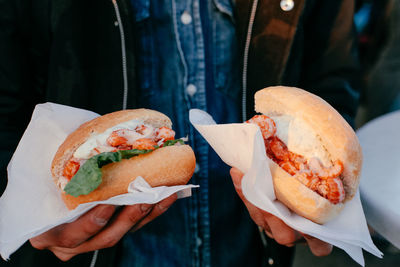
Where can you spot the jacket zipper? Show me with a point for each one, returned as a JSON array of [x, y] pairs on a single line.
[[244, 80], [246, 59], [123, 51], [94, 258], [125, 77]]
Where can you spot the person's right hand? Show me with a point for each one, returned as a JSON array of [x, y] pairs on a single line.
[[98, 228]]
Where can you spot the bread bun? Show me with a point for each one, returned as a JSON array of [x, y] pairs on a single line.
[[171, 165], [310, 127]]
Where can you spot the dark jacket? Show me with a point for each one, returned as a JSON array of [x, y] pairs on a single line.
[[70, 52]]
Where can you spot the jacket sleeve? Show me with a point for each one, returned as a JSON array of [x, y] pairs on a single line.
[[331, 68], [16, 97]]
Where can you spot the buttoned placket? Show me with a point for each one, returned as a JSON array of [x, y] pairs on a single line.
[[189, 35]]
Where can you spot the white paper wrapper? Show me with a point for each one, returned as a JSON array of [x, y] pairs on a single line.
[[380, 181], [31, 203], [241, 145]]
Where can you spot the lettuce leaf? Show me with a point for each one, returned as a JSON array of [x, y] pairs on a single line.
[[173, 142], [89, 175]]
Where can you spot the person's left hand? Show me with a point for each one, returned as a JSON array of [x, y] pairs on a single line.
[[274, 227]]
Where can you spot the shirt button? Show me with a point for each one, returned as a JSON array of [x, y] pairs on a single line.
[[197, 168], [270, 261], [186, 18], [287, 5], [191, 89], [198, 241]]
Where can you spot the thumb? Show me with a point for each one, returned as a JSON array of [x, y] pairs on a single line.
[[237, 176]]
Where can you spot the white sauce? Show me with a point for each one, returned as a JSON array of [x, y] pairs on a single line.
[[62, 182], [100, 140], [295, 134], [315, 166]]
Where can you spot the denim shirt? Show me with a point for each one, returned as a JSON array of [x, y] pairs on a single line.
[[187, 58]]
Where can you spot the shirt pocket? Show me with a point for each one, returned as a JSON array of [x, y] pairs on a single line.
[[225, 49]]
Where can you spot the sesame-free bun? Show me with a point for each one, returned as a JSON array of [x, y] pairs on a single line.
[[171, 165], [310, 127]]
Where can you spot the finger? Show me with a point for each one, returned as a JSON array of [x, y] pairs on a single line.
[[256, 214], [237, 176], [237, 182], [126, 219], [318, 247], [72, 234], [273, 226], [281, 232], [159, 209], [110, 235], [135, 217], [268, 232]]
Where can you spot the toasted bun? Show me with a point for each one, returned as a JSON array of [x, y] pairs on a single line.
[[310, 127], [172, 165]]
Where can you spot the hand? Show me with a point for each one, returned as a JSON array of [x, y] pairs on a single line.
[[274, 227], [98, 228]]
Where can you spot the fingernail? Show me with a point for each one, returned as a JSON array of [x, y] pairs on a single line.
[[146, 207], [103, 215], [166, 203], [162, 207]]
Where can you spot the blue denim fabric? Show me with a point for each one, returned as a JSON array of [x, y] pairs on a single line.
[[212, 227]]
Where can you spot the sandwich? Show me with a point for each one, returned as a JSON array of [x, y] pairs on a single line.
[[314, 154], [103, 156]]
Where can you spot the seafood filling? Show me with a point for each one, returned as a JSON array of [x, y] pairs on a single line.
[[312, 173], [142, 137]]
